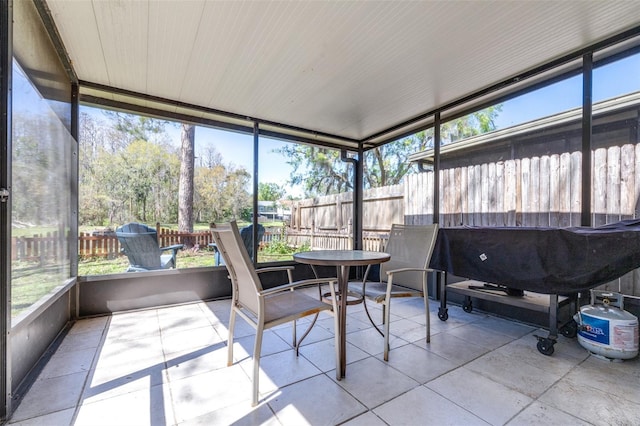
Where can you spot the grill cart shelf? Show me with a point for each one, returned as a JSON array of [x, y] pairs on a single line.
[[545, 303]]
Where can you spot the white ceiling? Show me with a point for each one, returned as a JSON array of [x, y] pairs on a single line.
[[346, 68]]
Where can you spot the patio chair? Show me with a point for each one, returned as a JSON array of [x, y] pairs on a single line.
[[139, 243], [405, 275], [247, 237], [265, 308]]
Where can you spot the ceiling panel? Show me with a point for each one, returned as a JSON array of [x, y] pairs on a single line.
[[350, 69], [170, 53], [123, 28], [77, 26]]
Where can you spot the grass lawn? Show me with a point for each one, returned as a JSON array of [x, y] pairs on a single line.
[[185, 259]]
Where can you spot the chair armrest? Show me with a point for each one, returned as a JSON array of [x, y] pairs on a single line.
[[395, 271], [275, 268], [173, 247], [295, 284]]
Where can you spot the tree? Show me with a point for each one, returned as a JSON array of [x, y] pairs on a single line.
[[209, 193], [150, 172], [128, 170], [270, 192], [210, 157], [476, 123], [220, 190], [236, 196], [137, 127], [322, 171], [186, 188], [387, 164], [93, 206]]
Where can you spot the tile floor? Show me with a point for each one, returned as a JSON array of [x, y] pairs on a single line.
[[167, 366]]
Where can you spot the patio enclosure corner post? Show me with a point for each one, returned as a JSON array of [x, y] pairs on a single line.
[[254, 218], [356, 231], [359, 200], [74, 217], [587, 133], [436, 167], [6, 58]]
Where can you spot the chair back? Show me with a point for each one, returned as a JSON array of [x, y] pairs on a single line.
[[140, 243], [247, 237], [410, 246], [244, 278]]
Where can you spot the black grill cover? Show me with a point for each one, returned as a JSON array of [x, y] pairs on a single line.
[[543, 260]]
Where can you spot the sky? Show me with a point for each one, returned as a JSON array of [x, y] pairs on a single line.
[[615, 79]]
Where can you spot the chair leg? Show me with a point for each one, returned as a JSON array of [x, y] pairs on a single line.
[[294, 334], [299, 342], [366, 310], [256, 363], [387, 321], [426, 309], [336, 342], [232, 323]]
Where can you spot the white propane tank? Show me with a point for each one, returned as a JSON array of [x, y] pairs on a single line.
[[605, 329]]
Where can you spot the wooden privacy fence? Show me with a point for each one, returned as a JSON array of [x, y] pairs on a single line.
[[536, 191], [333, 213]]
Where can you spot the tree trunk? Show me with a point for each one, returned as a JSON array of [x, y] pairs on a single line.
[[185, 189]]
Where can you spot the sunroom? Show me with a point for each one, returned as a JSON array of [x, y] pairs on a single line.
[[436, 90]]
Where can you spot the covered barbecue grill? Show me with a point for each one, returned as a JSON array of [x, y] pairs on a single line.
[[554, 261]]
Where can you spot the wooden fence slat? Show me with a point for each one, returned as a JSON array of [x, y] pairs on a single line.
[[576, 188], [613, 184], [501, 219], [599, 186], [457, 178], [564, 190], [510, 192], [477, 196], [525, 165], [627, 182], [534, 195], [554, 193], [492, 197], [518, 175], [484, 194], [545, 194], [464, 195]]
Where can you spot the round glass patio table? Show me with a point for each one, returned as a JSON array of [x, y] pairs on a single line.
[[342, 260]]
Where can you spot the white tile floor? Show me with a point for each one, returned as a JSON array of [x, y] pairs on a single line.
[[167, 366]]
